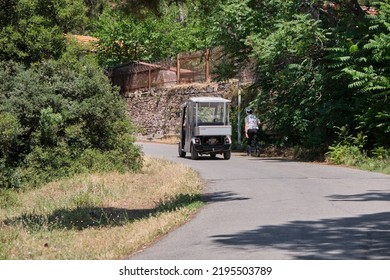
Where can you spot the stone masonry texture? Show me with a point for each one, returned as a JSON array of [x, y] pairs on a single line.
[[155, 113]]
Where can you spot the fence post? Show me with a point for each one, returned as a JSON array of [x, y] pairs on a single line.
[[178, 69], [208, 65], [149, 79], [239, 109]]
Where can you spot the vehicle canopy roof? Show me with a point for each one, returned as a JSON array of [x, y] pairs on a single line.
[[207, 99]]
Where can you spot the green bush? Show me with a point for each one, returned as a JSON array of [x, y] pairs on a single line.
[[10, 130], [93, 160], [60, 118], [8, 178], [8, 198], [343, 154], [353, 156], [349, 150]]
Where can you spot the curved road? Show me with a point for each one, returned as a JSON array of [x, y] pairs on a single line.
[[273, 209]]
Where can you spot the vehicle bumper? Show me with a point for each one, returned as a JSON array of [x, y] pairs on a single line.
[[203, 149]]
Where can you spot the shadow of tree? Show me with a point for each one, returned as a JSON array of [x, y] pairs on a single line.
[[221, 196], [86, 217], [362, 237], [370, 196], [81, 218]]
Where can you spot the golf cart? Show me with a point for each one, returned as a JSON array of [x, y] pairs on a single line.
[[205, 128]]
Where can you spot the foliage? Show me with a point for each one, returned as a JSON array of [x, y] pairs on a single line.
[[60, 118], [359, 71], [344, 155], [10, 130], [319, 65], [124, 37], [349, 150], [371, 79], [285, 44], [32, 30], [94, 8], [235, 21], [291, 79]]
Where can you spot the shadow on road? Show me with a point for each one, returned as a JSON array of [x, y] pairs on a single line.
[[373, 195], [221, 196], [206, 157], [361, 237]]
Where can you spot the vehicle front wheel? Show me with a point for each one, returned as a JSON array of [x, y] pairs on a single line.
[[227, 154], [194, 154], [181, 152]]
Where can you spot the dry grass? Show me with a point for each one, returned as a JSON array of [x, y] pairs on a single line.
[[100, 216]]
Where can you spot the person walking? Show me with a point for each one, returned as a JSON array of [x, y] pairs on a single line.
[[251, 128]]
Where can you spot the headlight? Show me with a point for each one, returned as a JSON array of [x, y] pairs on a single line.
[[227, 140]]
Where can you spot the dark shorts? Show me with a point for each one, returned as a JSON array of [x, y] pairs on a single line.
[[251, 134]]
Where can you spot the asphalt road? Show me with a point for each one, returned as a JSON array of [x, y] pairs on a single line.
[[272, 209]]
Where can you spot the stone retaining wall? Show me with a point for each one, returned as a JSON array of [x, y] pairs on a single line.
[[156, 112]]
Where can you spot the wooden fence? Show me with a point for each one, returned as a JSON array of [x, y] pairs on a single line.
[[196, 67]]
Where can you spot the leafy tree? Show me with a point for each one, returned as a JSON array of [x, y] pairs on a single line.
[[236, 20], [286, 45], [290, 78], [95, 7], [371, 78], [359, 76], [176, 28], [10, 130], [32, 30], [308, 83]]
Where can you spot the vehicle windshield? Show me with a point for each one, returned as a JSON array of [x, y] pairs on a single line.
[[212, 113]]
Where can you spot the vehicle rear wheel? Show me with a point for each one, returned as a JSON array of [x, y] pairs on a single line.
[[194, 154], [227, 154], [181, 152]]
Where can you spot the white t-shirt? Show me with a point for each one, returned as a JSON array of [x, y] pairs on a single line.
[[251, 120]]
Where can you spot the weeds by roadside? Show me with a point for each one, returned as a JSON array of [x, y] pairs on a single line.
[[349, 150], [352, 156]]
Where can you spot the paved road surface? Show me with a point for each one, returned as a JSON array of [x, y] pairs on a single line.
[[275, 209]]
